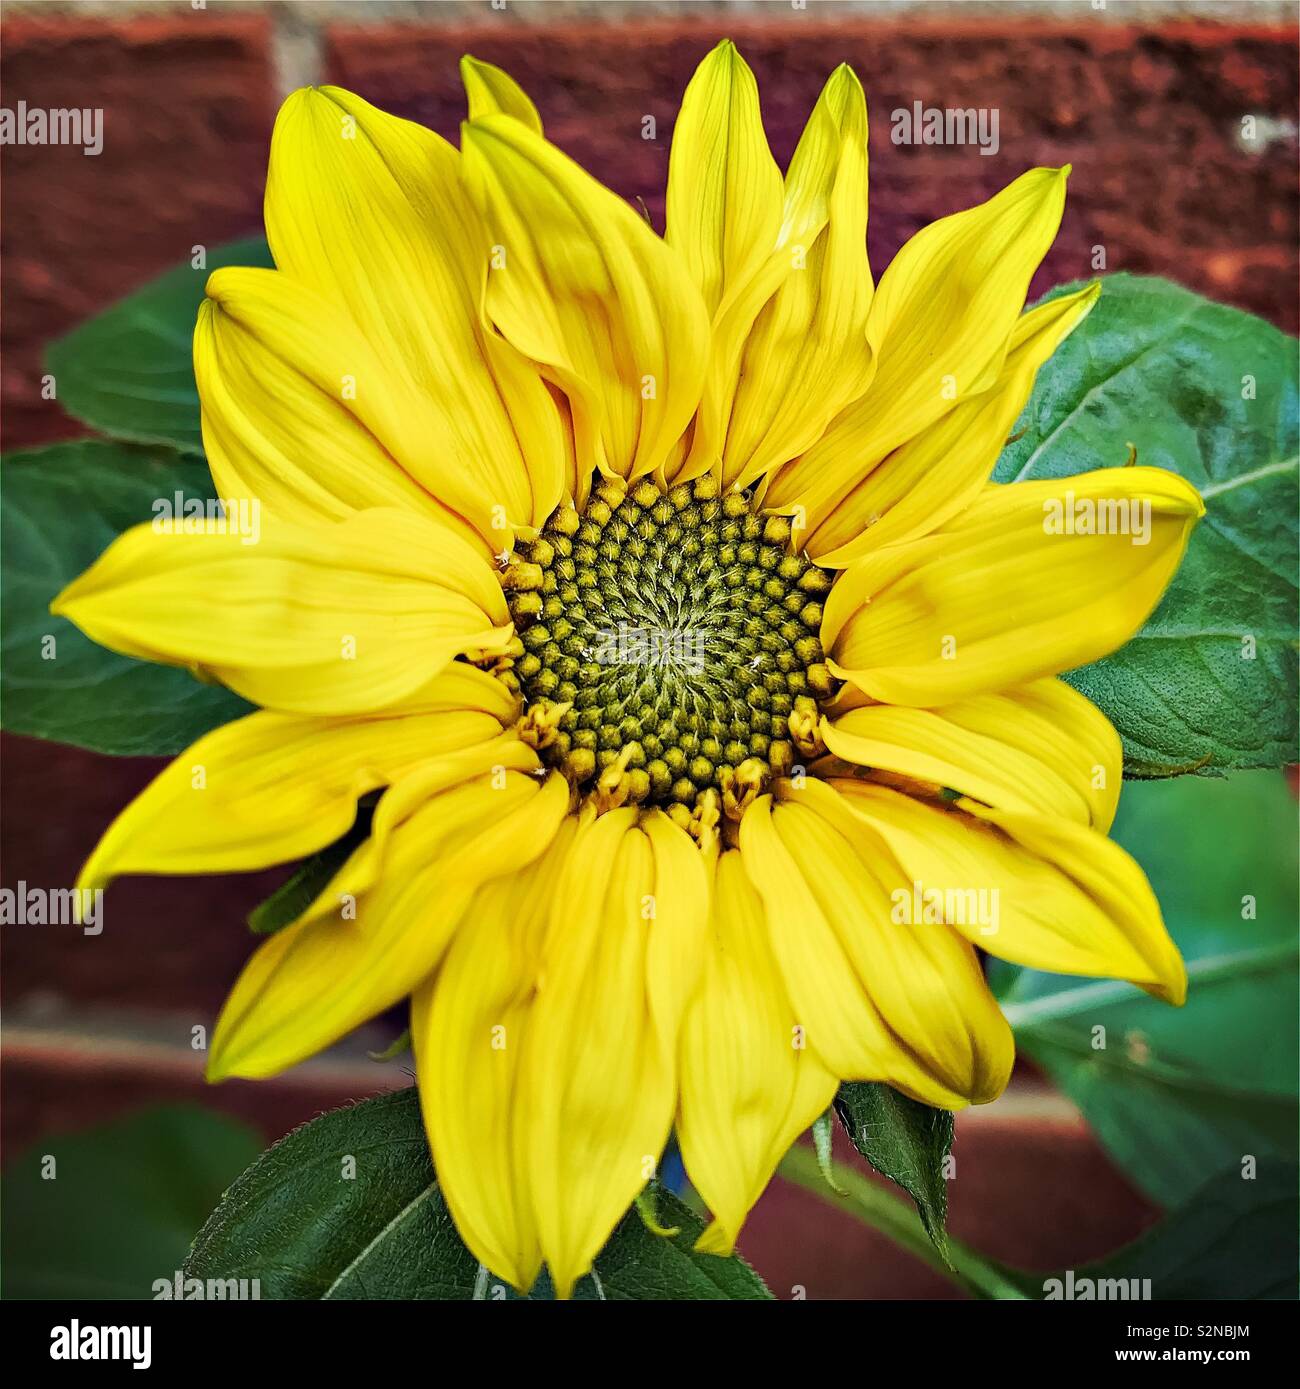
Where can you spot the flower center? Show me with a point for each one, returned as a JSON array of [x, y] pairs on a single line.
[[671, 650]]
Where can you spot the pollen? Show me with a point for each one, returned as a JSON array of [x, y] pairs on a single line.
[[670, 648]]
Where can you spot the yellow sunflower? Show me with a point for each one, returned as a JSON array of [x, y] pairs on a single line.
[[658, 585]]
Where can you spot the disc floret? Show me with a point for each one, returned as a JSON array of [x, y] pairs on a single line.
[[670, 646]]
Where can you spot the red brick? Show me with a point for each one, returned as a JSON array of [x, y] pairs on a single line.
[[169, 943], [48, 1094], [187, 106]]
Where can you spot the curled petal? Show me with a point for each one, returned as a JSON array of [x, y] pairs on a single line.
[[1066, 898], [1041, 747], [318, 979], [582, 286], [1031, 580], [622, 952]]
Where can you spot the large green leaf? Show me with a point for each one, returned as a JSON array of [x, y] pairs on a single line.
[[1210, 393], [128, 371], [1178, 1094], [1234, 1239], [119, 1205], [907, 1141], [61, 507], [348, 1207]]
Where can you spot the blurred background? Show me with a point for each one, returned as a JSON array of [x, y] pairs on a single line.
[[1146, 100]]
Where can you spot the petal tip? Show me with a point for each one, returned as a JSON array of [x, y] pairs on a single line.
[[216, 290], [1172, 985], [718, 1240], [296, 101]]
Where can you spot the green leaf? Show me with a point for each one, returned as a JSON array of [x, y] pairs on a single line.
[[62, 506], [128, 372], [1159, 367], [906, 1141], [1234, 1240], [348, 1207], [122, 1205], [1177, 1094]]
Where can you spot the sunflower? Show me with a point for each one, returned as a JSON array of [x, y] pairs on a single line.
[[654, 593]]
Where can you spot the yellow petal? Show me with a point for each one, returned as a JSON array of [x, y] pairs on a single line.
[[724, 188], [723, 219], [747, 1089], [1009, 591], [675, 952], [338, 619], [807, 356], [1043, 747], [600, 1066], [299, 411], [270, 788], [316, 980], [826, 916], [940, 472], [463, 686], [1065, 897], [923, 978], [369, 211], [366, 876], [939, 328], [583, 287], [469, 1025], [490, 89]]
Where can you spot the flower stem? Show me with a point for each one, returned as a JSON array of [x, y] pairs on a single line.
[[874, 1206]]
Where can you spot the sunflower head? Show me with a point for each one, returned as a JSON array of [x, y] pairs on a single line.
[[657, 589]]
